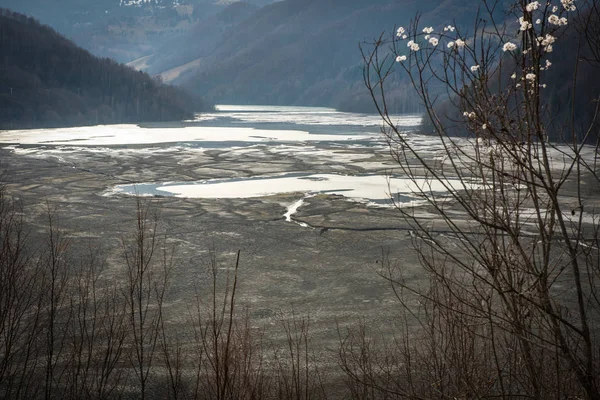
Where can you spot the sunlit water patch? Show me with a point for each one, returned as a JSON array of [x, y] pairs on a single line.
[[114, 135], [316, 116], [373, 189]]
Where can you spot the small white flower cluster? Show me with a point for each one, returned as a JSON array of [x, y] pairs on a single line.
[[568, 5], [546, 42], [509, 46], [525, 25], [458, 43], [527, 79], [555, 20], [401, 32], [431, 38], [412, 45], [534, 5], [471, 115], [530, 78]]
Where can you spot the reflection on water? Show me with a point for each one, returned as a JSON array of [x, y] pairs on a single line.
[[229, 126], [306, 116], [308, 138], [376, 189]]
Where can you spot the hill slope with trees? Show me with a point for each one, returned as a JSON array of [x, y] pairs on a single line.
[[305, 52], [124, 30], [46, 80]]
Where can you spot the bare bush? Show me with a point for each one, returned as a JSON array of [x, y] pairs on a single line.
[[146, 280], [298, 375], [229, 357], [511, 308], [20, 304]]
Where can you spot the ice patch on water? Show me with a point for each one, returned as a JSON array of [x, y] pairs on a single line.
[[114, 135], [372, 189], [317, 116]]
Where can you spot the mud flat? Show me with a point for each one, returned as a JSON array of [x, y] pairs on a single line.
[[316, 252], [323, 261]]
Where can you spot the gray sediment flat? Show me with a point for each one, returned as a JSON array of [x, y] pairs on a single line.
[[329, 270]]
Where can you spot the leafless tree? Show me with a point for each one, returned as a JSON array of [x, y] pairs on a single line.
[[298, 373], [511, 307], [146, 281], [229, 357], [20, 303]]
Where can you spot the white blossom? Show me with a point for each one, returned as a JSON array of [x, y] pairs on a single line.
[[518, 85], [449, 28], [513, 76], [433, 41], [471, 115], [568, 5], [427, 37], [538, 21], [474, 68], [509, 46], [400, 32], [450, 45], [404, 36], [413, 46], [546, 40], [460, 43], [484, 127], [534, 5], [525, 25], [548, 64], [428, 30], [554, 8], [554, 20], [401, 58], [530, 76]]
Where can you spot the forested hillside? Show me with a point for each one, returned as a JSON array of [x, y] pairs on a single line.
[[289, 52], [46, 80], [185, 51], [123, 30], [306, 52]]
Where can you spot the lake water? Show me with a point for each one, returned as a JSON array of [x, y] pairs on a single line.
[[336, 152]]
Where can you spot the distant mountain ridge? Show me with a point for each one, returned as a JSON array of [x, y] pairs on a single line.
[[124, 30], [299, 52], [46, 80], [197, 43]]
